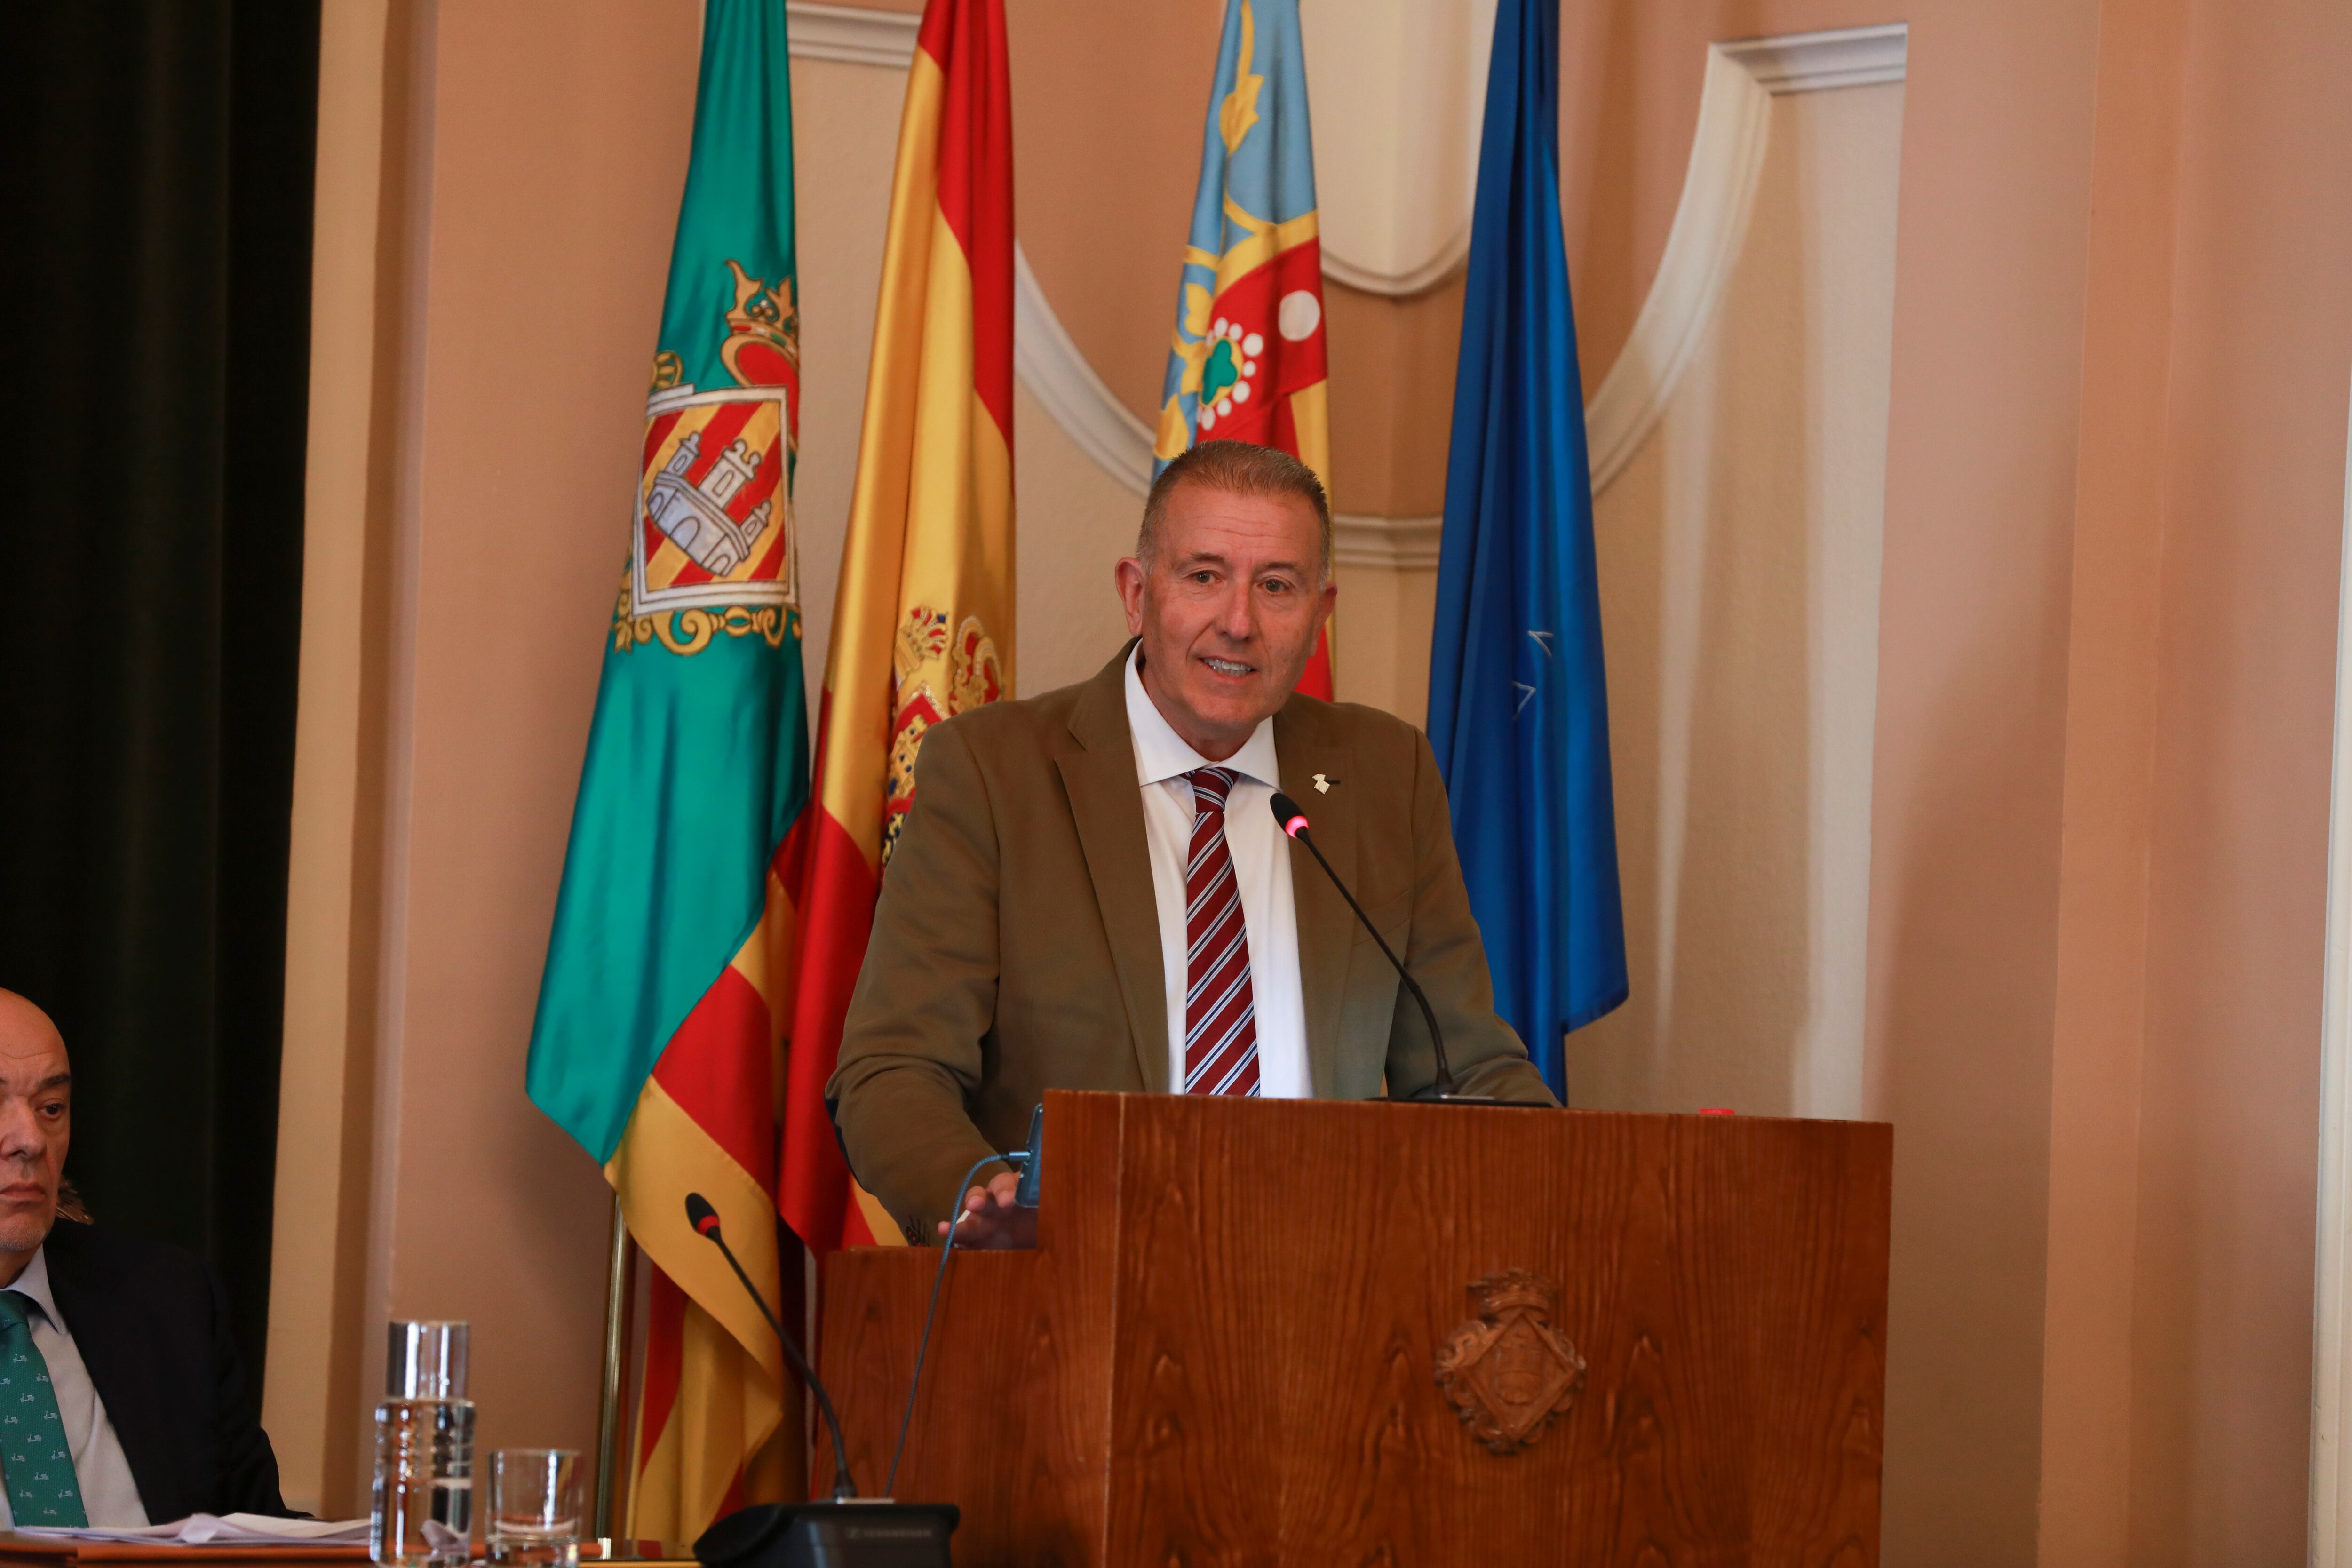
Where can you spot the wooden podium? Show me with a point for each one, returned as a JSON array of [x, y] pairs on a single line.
[[1315, 1333]]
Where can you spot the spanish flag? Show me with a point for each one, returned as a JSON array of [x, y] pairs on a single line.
[[922, 624], [661, 1006], [1246, 362]]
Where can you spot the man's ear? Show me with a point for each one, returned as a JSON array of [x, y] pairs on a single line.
[[1127, 576]]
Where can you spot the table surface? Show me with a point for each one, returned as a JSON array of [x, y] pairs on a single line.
[[54, 1553]]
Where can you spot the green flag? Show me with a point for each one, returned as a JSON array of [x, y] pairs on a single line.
[[654, 1045]]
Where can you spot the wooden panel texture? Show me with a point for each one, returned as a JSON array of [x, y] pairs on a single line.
[[1222, 1351]]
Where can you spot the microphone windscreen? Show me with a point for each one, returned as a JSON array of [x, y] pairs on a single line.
[[1287, 812], [700, 1215]]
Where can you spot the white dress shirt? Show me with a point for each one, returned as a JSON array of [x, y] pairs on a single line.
[[108, 1496], [1261, 857]]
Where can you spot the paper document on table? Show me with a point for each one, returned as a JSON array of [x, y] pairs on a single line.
[[224, 1530]]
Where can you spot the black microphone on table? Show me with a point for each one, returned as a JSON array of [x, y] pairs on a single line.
[[1293, 825], [850, 1530]]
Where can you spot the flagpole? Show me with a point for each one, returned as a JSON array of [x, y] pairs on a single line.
[[608, 1407]]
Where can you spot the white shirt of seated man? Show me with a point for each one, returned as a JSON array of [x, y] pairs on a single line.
[[35, 1125]]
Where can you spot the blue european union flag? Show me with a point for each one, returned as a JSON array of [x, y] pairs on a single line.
[[1518, 711]]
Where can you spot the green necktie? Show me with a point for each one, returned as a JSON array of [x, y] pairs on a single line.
[[34, 1455]]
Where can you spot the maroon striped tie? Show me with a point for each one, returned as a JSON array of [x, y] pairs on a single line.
[[1220, 1014]]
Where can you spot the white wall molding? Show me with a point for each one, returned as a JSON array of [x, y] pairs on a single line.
[[1709, 228], [2331, 1370], [1437, 269], [1048, 363], [1398, 89], [1399, 543], [1711, 220], [1810, 62], [1057, 374], [851, 34], [1058, 377]]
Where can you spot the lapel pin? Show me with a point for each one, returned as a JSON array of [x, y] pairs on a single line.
[[1323, 785]]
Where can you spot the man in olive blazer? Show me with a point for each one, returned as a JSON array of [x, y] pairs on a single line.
[[1017, 945]]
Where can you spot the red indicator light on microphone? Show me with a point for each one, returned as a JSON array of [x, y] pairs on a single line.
[[1718, 1110], [1286, 812]]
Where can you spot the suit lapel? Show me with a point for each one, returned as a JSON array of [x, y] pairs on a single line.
[[1098, 773], [1326, 927], [110, 1340]]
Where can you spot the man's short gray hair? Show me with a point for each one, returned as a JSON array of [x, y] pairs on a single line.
[[1240, 469]]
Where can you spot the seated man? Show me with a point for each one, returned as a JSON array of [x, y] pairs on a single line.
[[126, 1402], [1091, 892]]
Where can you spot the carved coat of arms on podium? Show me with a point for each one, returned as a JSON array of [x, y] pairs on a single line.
[[1508, 1371]]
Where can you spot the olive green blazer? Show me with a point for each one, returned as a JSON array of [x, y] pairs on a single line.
[[1016, 943]]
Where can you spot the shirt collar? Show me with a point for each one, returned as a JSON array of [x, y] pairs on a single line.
[[1160, 754], [34, 1282]]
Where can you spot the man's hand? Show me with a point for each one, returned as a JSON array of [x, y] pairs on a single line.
[[990, 1218]]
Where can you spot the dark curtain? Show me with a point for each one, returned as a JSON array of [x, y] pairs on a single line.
[[155, 192]]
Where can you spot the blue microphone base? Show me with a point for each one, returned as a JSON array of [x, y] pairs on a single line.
[[878, 1534]]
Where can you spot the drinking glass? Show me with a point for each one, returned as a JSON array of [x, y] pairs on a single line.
[[423, 1507], [534, 1508]]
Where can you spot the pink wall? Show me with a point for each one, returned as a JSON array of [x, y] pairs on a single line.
[[1972, 661], [2100, 1012], [2115, 495], [549, 165], [2254, 463], [2124, 322], [1971, 750]]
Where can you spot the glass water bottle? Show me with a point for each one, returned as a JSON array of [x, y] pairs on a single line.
[[424, 1513]]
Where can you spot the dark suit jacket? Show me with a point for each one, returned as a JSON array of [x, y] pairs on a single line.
[[1016, 943], [152, 1325]]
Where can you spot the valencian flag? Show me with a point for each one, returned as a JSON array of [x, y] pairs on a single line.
[[922, 621], [1246, 360], [659, 1016], [1519, 712]]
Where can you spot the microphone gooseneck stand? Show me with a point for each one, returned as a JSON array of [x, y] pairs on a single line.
[[705, 1221], [849, 1532], [1443, 1090]]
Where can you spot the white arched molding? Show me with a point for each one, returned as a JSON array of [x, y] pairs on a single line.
[[1396, 542], [1710, 225], [851, 34], [1058, 377], [1420, 279], [1400, 90], [1057, 374], [1711, 220], [2331, 1370]]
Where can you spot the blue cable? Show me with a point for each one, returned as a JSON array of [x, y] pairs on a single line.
[[1019, 1159]]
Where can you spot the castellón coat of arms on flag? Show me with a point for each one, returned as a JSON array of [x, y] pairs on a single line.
[[714, 524]]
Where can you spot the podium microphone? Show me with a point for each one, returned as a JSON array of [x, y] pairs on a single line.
[[850, 1532], [704, 1220], [1293, 824]]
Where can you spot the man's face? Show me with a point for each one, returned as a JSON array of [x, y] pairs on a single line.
[[35, 1122], [1228, 609]]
